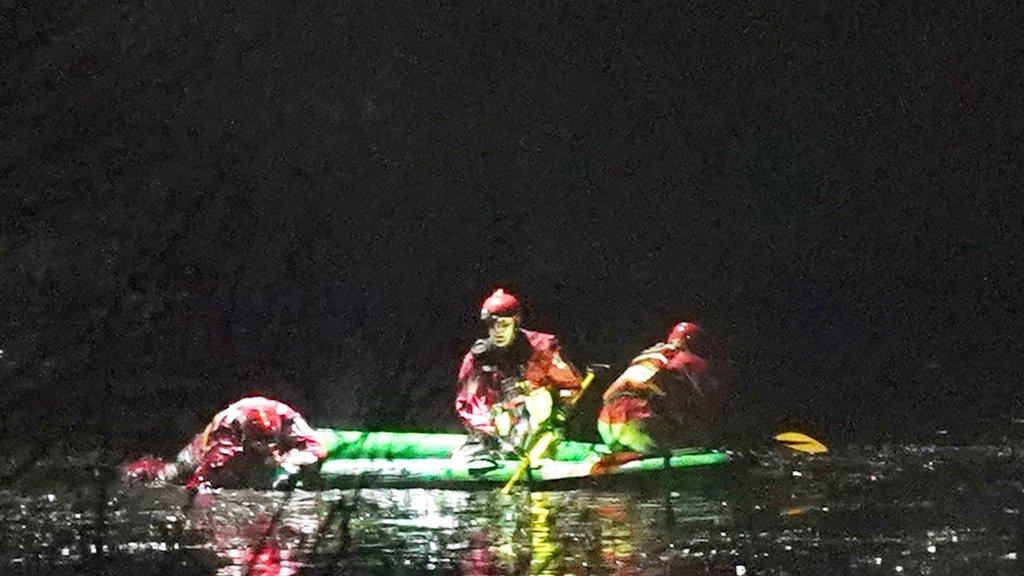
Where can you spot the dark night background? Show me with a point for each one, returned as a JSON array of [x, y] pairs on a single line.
[[202, 200]]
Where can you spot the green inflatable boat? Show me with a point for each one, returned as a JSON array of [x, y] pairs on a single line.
[[360, 458]]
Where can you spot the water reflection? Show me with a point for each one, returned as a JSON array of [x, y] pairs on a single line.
[[482, 557], [871, 511], [473, 533], [254, 536], [581, 533], [620, 531], [546, 554]]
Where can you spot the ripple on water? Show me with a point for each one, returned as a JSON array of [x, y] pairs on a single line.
[[915, 509]]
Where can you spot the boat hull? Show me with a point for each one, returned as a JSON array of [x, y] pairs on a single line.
[[360, 458]]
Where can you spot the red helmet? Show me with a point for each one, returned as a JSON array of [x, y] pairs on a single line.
[[682, 332], [261, 423], [500, 303]]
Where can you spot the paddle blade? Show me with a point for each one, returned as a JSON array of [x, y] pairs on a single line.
[[801, 443]]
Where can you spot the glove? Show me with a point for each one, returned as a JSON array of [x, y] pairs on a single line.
[[283, 480], [512, 390], [145, 470], [481, 347], [296, 468], [198, 483], [295, 459]]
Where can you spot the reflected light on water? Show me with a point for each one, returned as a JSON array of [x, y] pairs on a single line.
[[861, 510]]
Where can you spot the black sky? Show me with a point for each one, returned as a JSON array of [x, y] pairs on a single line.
[[310, 200]]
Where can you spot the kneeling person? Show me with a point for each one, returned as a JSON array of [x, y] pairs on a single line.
[[664, 400], [511, 382]]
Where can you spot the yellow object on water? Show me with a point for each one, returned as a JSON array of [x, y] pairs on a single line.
[[801, 443]]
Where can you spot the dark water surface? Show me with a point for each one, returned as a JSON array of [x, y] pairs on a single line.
[[930, 508]]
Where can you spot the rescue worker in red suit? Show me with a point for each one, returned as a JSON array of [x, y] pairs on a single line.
[[665, 399], [245, 444], [511, 369]]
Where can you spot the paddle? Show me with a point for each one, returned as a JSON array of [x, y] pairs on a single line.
[[801, 443], [539, 443]]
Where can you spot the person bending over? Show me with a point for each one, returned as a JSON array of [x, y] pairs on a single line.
[[255, 441], [665, 399]]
